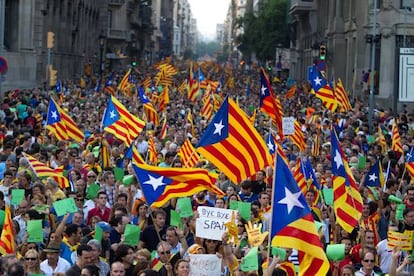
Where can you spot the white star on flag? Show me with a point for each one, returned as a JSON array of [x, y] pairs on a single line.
[[112, 114], [54, 115], [155, 182], [317, 80], [270, 146], [338, 159], [291, 200], [218, 127], [264, 90], [372, 177]]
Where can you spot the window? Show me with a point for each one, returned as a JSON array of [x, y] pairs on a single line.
[[406, 4]]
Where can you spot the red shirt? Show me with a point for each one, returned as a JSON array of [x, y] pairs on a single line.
[[97, 212]]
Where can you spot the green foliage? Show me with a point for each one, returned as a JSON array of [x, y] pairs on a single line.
[[264, 32], [207, 48], [188, 54]]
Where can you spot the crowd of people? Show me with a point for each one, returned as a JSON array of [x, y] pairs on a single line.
[[69, 246]]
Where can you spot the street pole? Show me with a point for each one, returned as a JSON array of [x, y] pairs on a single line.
[[49, 59], [101, 39], [2, 20], [405, 26], [371, 75]]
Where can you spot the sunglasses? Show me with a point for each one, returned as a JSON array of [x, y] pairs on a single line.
[[91, 176], [369, 261], [30, 259], [211, 241], [240, 225], [79, 199], [165, 252]]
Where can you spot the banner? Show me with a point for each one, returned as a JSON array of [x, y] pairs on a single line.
[[204, 265]]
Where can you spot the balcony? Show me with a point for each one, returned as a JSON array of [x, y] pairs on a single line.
[[302, 6], [116, 2], [118, 34]]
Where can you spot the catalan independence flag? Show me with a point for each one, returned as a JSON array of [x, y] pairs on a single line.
[[149, 109], [188, 155], [322, 90], [410, 163], [120, 122], [133, 155], [161, 184], [41, 170], [61, 124], [269, 103], [294, 226], [7, 245], [233, 145], [347, 199]]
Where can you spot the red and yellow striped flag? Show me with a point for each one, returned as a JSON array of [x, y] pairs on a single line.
[[123, 84], [164, 99], [152, 152], [297, 137], [41, 170], [193, 86], [342, 97], [299, 177], [381, 140], [188, 155], [207, 110], [7, 234], [316, 145], [291, 92], [396, 140], [347, 198], [190, 121], [163, 132]]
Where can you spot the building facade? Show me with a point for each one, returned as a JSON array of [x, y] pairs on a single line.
[[346, 27], [89, 36]]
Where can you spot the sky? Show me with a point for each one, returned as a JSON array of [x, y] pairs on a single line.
[[208, 14]]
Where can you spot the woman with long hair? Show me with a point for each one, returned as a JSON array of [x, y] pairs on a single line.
[[32, 262]]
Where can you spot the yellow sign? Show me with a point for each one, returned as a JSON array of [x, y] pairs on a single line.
[[402, 240], [255, 235], [232, 229]]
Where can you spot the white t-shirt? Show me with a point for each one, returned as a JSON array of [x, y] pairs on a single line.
[[62, 267], [385, 255]]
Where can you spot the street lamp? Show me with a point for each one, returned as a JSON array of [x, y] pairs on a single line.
[[101, 39]]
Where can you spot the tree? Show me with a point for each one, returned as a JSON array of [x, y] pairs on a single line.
[[262, 33]]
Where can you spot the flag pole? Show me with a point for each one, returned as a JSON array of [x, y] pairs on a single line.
[[269, 242]]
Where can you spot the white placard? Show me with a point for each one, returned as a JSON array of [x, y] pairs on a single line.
[[214, 213], [288, 125], [204, 265], [210, 228], [210, 222]]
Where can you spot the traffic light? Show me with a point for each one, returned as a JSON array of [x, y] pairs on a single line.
[[52, 76], [269, 68], [322, 52], [50, 40], [133, 63]]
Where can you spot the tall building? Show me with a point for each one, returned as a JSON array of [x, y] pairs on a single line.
[[90, 37], [347, 30]]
